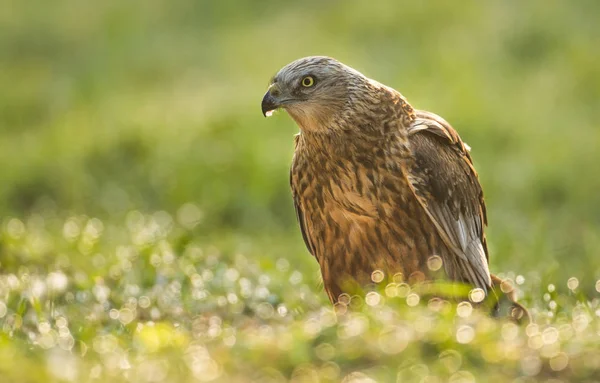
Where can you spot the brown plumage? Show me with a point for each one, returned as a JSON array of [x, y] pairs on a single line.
[[378, 185]]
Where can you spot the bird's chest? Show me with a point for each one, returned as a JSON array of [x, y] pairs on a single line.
[[349, 206], [360, 217]]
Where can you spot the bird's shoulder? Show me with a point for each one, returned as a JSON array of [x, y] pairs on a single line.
[[444, 164]]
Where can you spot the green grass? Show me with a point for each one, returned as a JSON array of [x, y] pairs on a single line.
[[147, 229], [151, 300]]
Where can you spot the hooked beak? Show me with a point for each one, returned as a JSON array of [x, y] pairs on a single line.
[[269, 104]]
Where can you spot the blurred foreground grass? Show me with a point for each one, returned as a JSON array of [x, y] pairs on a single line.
[[150, 300], [147, 231]]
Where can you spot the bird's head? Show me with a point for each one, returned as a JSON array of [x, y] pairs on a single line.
[[313, 90]]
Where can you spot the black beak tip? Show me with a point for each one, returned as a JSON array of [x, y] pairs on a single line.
[[264, 111], [268, 104]]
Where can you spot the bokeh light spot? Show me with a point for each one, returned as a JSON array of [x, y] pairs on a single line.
[[434, 263], [464, 309], [573, 283], [373, 298], [412, 299], [465, 334], [377, 276], [476, 295], [559, 362]]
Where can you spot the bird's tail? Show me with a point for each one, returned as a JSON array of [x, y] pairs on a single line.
[[506, 304]]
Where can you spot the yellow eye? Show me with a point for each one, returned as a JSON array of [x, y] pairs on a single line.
[[308, 81]]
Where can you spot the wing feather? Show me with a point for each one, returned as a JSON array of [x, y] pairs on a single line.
[[299, 212], [445, 183]]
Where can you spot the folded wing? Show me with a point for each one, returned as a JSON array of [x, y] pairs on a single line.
[[445, 183]]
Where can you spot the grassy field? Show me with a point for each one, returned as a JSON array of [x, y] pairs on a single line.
[[147, 231]]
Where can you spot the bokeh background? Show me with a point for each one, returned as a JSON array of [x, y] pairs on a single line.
[[117, 110]]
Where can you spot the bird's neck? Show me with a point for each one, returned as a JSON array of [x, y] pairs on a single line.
[[332, 147], [377, 118]]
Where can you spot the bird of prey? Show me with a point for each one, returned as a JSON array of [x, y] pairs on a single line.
[[378, 185]]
